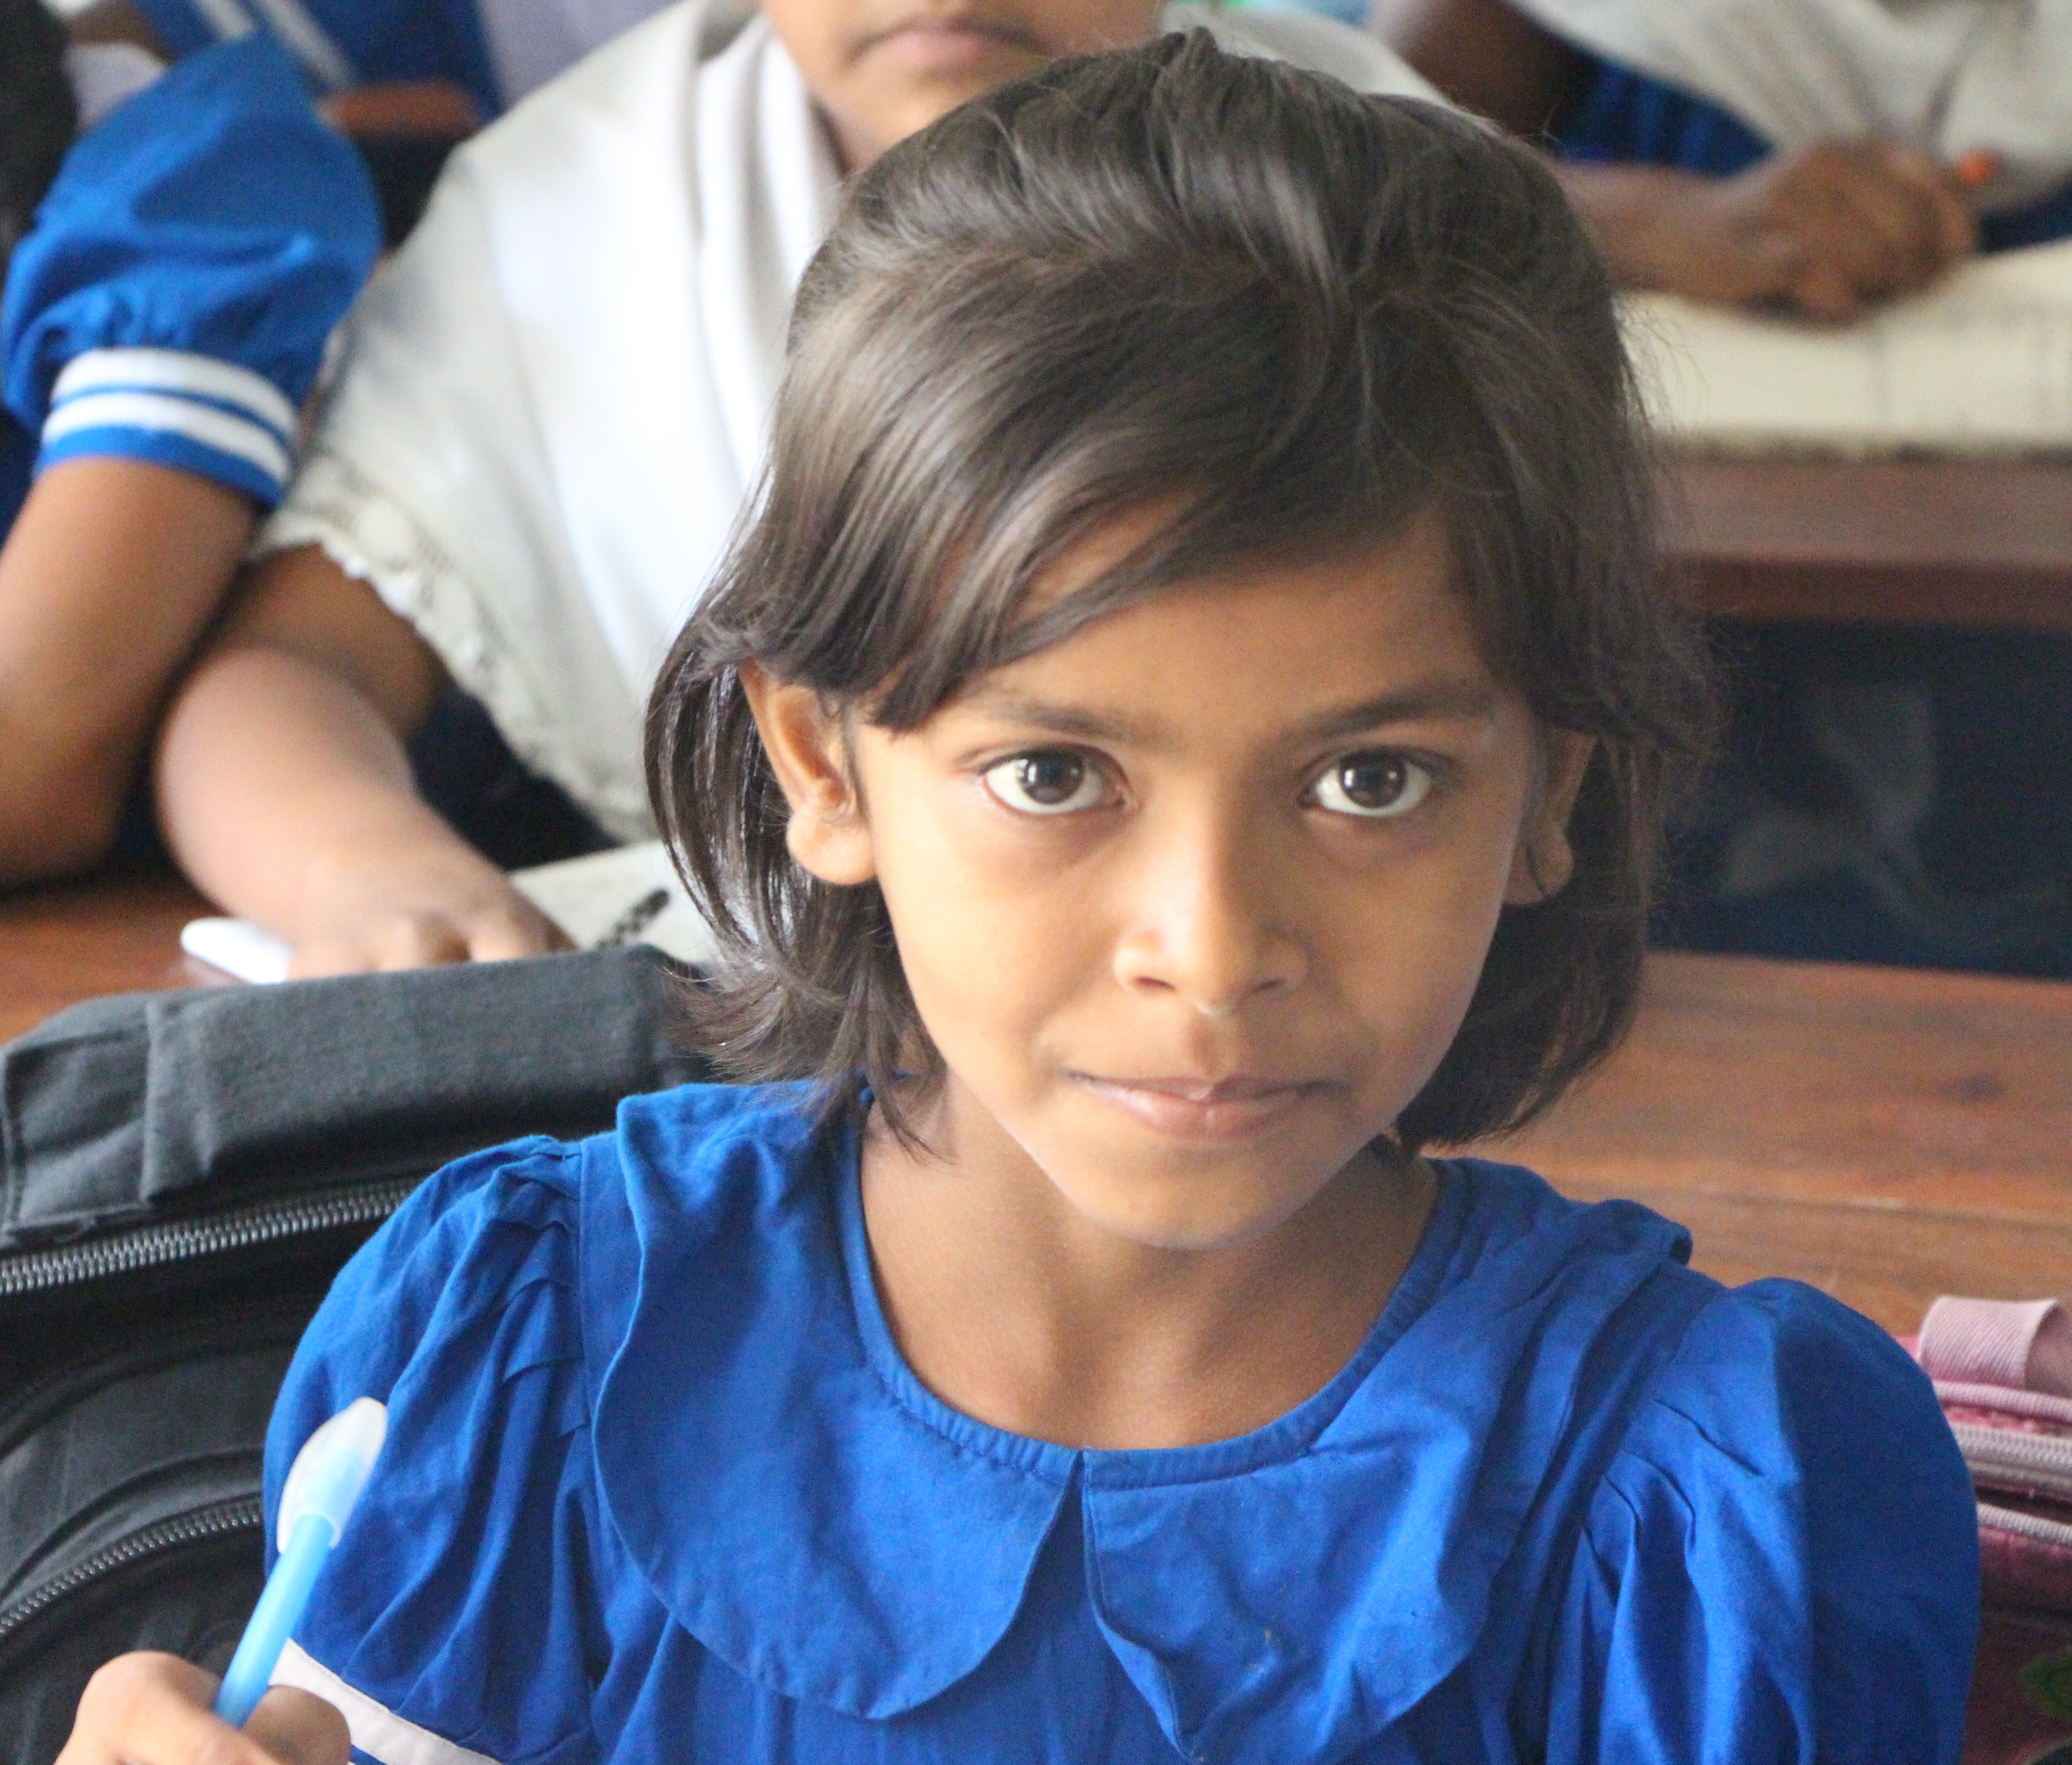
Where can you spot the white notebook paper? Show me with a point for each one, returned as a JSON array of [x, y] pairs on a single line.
[[1979, 364], [627, 895]]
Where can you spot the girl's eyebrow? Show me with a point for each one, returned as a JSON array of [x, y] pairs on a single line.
[[1446, 698]]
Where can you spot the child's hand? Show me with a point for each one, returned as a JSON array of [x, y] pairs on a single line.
[[440, 902], [154, 1710], [1829, 228]]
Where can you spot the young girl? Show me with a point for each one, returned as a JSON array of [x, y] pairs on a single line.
[[1184, 731]]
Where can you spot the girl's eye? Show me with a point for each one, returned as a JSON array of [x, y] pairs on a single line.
[[1376, 786], [1054, 781]]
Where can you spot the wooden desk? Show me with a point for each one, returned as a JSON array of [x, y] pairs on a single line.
[[1884, 1134], [1888, 1136], [1908, 542], [76, 941]]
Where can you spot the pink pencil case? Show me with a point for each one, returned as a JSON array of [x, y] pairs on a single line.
[[2003, 1373]]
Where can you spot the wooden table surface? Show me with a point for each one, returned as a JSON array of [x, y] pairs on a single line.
[[1886, 1135], [75, 941], [1976, 542]]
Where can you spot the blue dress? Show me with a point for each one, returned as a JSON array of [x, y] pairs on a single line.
[[659, 1488], [172, 301]]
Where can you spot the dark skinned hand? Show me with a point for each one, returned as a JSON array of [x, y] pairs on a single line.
[[1829, 229]]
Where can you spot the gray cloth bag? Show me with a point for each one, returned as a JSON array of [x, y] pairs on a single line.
[[184, 1173]]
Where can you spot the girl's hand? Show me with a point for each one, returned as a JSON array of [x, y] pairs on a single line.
[[1829, 228], [154, 1710], [439, 902], [285, 786]]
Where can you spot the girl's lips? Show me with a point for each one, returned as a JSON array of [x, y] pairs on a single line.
[[1192, 1108], [944, 45]]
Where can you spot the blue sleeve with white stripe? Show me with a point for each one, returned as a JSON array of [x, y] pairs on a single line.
[[343, 42], [172, 300]]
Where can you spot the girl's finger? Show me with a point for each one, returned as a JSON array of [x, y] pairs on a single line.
[[1938, 190], [516, 930], [1882, 226], [299, 1728], [154, 1710]]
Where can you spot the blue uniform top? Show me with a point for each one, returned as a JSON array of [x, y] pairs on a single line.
[[659, 1487], [172, 300]]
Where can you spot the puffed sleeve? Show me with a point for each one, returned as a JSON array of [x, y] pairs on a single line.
[[173, 302], [1781, 1564], [455, 1620]]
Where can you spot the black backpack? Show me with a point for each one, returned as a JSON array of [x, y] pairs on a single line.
[[184, 1173]]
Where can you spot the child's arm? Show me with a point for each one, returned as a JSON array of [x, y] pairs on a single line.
[[154, 1710], [112, 570], [285, 785], [162, 322], [1827, 229]]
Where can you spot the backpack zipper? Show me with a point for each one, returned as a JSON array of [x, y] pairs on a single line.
[[219, 1520], [33, 1272]]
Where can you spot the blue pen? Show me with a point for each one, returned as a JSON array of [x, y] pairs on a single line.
[[323, 1483]]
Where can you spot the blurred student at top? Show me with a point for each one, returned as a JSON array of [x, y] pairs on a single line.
[[549, 415], [495, 50], [1822, 153], [175, 249]]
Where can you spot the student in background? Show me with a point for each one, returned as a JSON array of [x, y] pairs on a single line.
[[1185, 730], [549, 416], [171, 277], [1824, 153], [1892, 796]]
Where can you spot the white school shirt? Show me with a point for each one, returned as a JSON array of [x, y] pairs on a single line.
[[1945, 77], [555, 400]]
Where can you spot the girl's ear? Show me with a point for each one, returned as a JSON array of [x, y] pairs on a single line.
[[828, 833], [1545, 860]]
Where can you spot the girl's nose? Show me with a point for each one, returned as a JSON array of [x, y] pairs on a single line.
[[1207, 928]]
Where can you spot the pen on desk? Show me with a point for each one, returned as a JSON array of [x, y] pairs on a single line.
[[323, 1483], [634, 920]]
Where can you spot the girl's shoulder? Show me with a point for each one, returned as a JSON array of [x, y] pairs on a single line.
[[487, 1315], [1666, 1380], [698, 1160], [1681, 1337], [697, 1170], [1759, 1465]]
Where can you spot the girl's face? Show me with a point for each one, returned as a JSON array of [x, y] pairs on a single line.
[[1192, 901], [880, 69]]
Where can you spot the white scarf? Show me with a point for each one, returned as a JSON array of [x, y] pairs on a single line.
[[554, 402], [1944, 76]]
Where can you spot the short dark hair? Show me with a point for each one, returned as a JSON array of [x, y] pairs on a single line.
[[1301, 316], [39, 115]]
